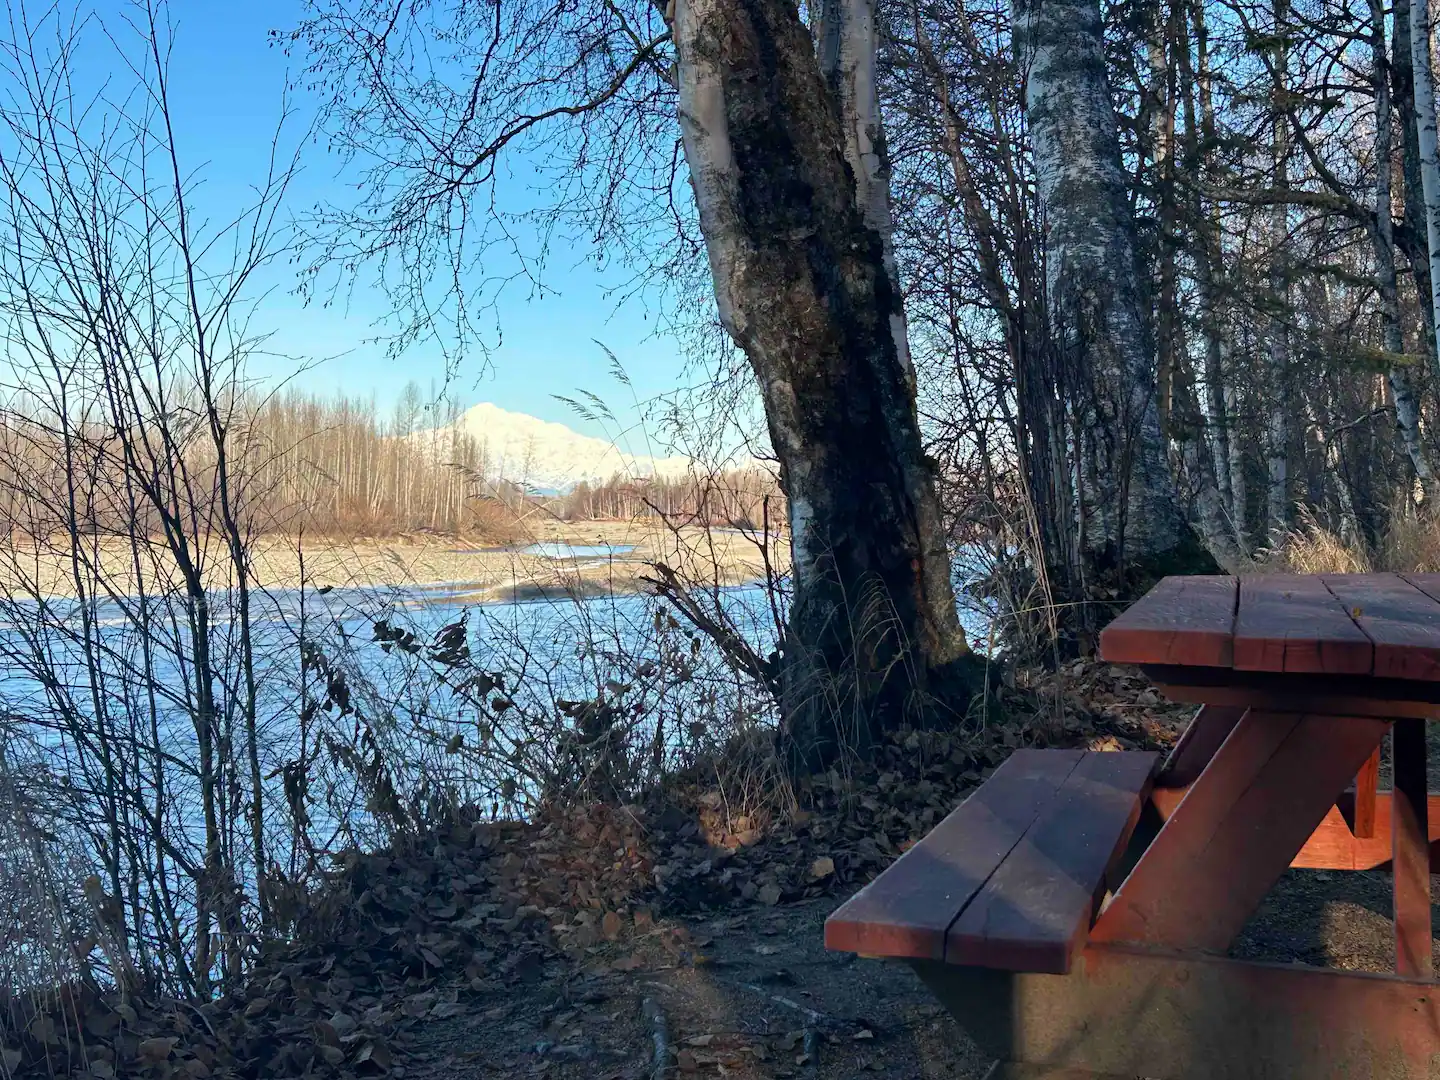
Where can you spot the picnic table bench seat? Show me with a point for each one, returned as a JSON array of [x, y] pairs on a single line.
[[1002, 910], [1013, 877]]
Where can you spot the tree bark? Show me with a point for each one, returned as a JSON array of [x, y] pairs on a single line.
[[1277, 449], [1127, 505], [794, 222], [1407, 407], [1413, 238], [1424, 85], [1219, 376]]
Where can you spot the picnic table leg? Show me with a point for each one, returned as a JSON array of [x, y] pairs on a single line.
[[1205, 733], [1240, 824], [1410, 848], [1366, 783]]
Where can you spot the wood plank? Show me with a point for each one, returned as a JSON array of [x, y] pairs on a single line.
[[1182, 620], [1429, 584], [1401, 620], [1034, 913], [1197, 745], [906, 911], [1410, 835], [1167, 1016], [1367, 782], [1239, 825], [1293, 623], [1300, 693], [1332, 846]]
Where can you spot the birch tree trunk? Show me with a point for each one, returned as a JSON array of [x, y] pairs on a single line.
[[1277, 450], [788, 169], [1424, 83], [1096, 298], [1407, 408], [1219, 378], [1417, 251]]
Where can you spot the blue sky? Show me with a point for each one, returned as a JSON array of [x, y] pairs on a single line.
[[227, 86]]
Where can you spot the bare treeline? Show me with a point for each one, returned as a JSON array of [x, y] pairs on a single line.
[[741, 498], [339, 467]]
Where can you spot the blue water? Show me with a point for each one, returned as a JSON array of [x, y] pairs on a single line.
[[562, 550]]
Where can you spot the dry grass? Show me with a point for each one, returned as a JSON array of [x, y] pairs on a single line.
[[478, 572], [1310, 548], [1411, 545]]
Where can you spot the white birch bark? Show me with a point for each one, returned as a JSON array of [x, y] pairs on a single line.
[[1407, 408], [846, 50], [1239, 485], [805, 287], [1093, 285], [1219, 377], [1277, 430], [1424, 74], [714, 178]]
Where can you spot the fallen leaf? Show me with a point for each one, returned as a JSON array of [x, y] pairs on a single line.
[[157, 1049], [769, 895], [611, 925], [822, 867]]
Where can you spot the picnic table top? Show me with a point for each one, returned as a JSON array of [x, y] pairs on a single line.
[[1377, 625]]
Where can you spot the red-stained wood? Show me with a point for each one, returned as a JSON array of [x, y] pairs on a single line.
[[1197, 745], [1402, 621], [1161, 1013], [1332, 846], [906, 911], [1367, 781], [1182, 620], [1236, 830], [1410, 847], [1429, 584], [1034, 913], [1294, 623]]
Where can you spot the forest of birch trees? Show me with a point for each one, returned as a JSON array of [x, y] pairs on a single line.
[[1259, 185]]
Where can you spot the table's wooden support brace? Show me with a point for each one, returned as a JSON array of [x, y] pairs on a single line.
[[1125, 1013], [1362, 813], [1333, 846], [1228, 841], [1410, 836], [1197, 744]]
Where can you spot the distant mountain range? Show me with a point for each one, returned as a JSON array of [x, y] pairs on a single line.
[[550, 458]]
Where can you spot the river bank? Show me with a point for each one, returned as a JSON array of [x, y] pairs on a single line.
[[554, 558]]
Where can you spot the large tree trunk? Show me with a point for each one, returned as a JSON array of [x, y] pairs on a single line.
[[1407, 407], [794, 216], [1424, 89], [1128, 509]]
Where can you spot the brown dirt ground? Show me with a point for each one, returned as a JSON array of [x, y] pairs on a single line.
[[739, 991]]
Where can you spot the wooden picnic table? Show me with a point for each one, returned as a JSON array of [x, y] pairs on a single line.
[[1076, 911]]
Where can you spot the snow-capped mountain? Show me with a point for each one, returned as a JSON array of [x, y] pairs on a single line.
[[545, 456]]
